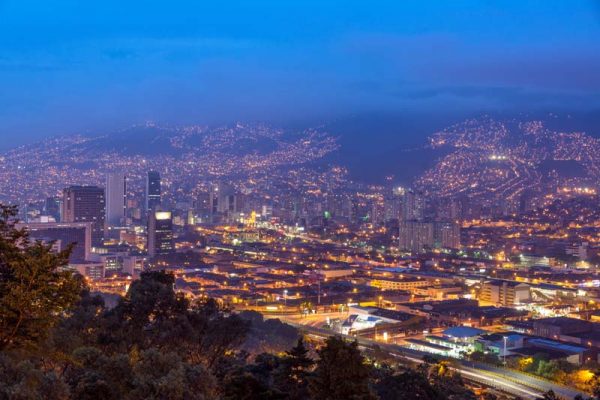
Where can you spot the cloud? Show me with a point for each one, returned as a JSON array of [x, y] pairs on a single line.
[[507, 97], [447, 60], [568, 70]]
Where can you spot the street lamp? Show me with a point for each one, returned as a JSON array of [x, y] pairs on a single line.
[[285, 292], [504, 353]]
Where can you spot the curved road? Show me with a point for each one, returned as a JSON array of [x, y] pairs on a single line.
[[508, 381]]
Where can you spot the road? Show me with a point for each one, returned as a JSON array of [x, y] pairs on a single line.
[[508, 381]]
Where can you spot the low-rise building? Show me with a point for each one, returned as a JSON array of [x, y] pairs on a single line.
[[399, 284], [505, 293], [556, 327]]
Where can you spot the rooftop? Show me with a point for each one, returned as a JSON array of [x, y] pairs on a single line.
[[463, 332]]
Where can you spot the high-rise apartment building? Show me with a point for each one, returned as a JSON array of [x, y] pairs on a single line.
[[446, 235], [415, 236], [393, 205], [413, 206]]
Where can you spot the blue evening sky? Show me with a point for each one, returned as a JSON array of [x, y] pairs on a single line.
[[91, 65]]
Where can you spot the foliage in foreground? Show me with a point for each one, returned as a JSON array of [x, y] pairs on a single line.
[[59, 342]]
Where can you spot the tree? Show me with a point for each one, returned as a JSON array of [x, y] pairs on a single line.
[[480, 356], [292, 375], [151, 314], [34, 291], [254, 381], [267, 335], [164, 375], [23, 380], [215, 332], [550, 395], [446, 380], [595, 384], [547, 369], [95, 375], [407, 385], [341, 372], [82, 325], [92, 386], [243, 385]]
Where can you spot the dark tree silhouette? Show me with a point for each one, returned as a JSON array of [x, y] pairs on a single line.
[[34, 291], [292, 375], [341, 372], [407, 385]]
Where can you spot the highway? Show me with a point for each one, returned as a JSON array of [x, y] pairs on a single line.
[[508, 381]]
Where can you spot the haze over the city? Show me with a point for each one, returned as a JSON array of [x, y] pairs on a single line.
[[77, 67]]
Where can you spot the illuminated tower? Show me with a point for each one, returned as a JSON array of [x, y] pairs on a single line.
[[160, 233]]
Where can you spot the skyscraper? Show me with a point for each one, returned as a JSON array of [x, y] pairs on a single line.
[[116, 196], [85, 204], [152, 191], [160, 233]]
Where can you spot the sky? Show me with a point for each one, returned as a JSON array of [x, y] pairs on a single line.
[[89, 66]]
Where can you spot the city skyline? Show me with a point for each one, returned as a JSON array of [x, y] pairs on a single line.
[[313, 200]]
